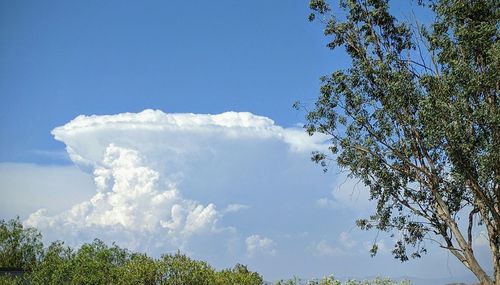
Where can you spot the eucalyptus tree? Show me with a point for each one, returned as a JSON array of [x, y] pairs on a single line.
[[416, 118]]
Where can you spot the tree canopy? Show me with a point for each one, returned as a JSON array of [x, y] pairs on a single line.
[[98, 263], [416, 118], [20, 248]]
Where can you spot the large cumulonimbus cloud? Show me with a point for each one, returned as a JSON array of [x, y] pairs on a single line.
[[227, 188], [162, 179]]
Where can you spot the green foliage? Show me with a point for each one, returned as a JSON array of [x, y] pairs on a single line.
[[19, 247], [293, 281], [238, 275], [56, 266], [178, 269], [97, 263], [12, 280], [416, 117], [140, 269]]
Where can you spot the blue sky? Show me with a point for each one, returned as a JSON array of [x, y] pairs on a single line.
[[244, 184], [60, 59]]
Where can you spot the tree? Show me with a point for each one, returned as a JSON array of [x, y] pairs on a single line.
[[179, 269], [238, 275], [20, 247], [96, 263], [140, 269], [416, 118], [56, 267]]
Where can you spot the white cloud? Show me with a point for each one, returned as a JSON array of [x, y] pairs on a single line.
[[156, 182], [58, 155], [86, 137], [152, 173], [131, 196], [346, 240], [232, 208], [345, 246], [347, 193], [323, 248], [260, 245], [325, 203]]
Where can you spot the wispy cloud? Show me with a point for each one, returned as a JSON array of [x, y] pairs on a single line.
[[347, 193], [323, 248], [256, 244], [344, 245], [232, 208], [58, 155]]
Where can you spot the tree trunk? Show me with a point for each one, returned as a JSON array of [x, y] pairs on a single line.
[[467, 254], [496, 266], [482, 276]]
